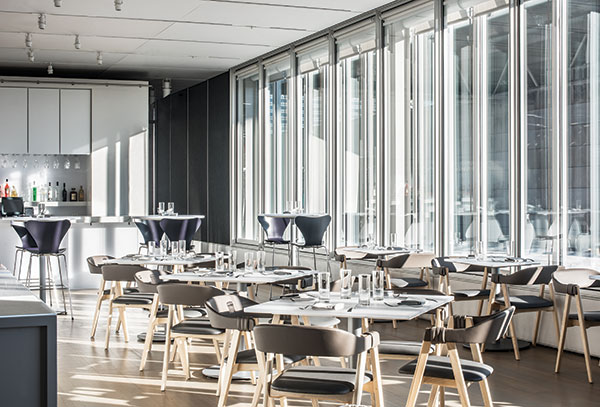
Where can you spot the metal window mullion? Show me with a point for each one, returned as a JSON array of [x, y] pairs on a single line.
[[261, 145], [440, 173], [233, 159], [594, 112], [291, 164], [379, 107], [517, 146], [332, 143], [481, 112], [478, 206]]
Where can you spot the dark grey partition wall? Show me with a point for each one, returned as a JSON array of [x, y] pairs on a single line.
[[192, 154]]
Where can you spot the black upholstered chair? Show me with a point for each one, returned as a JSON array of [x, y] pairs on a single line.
[[570, 282], [451, 371], [313, 230], [274, 228], [181, 229]]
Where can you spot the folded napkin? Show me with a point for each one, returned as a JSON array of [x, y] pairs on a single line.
[[328, 306]]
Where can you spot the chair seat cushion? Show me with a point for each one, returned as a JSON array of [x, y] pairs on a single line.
[[134, 299], [400, 348], [469, 294], [318, 380], [187, 313], [196, 326], [408, 282], [590, 316], [36, 250], [418, 291], [276, 240], [440, 368], [527, 302], [248, 356]]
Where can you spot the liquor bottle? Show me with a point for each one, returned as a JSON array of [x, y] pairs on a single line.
[[34, 193], [81, 194], [6, 189], [42, 193], [73, 197], [56, 192], [64, 192], [13, 192], [49, 192]]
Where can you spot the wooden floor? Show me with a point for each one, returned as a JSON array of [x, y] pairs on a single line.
[[90, 376]]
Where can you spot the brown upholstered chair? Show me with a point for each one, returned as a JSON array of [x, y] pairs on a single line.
[[531, 276], [95, 266], [451, 371], [179, 328], [570, 282], [344, 385]]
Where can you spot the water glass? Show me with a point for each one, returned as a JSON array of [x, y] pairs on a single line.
[[260, 260], [511, 248], [219, 261], [378, 283], [161, 208], [182, 247], [164, 247], [370, 241], [248, 261], [152, 248], [346, 284], [323, 285], [394, 240], [479, 250], [232, 256], [171, 208], [175, 248], [364, 289]]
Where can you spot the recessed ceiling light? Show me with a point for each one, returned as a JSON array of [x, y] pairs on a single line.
[[57, 3], [28, 40], [42, 21], [77, 42], [50, 69], [118, 5], [30, 55], [99, 58]]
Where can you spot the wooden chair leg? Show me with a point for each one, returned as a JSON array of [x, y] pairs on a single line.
[[536, 328], [433, 396], [229, 364], [123, 317], [98, 307], [377, 377], [217, 350], [461, 386], [563, 333], [584, 338], [513, 335], [485, 393], [167, 352], [418, 375], [108, 323]]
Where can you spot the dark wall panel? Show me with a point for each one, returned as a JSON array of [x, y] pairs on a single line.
[[198, 153], [179, 147], [162, 152]]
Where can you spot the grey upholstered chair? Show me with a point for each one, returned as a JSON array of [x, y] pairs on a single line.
[[334, 384], [451, 371], [531, 277], [419, 261], [95, 266], [570, 282]]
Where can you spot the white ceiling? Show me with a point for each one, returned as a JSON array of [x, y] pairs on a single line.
[[187, 40]]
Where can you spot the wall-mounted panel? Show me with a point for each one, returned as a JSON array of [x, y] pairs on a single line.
[[13, 120], [44, 125], [75, 121]]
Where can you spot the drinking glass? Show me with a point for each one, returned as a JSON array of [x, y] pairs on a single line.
[[164, 247], [219, 261], [182, 247], [260, 260], [511, 248], [364, 289], [346, 284], [479, 250], [394, 240], [161, 208], [370, 241], [232, 255], [170, 208], [151, 248], [248, 261], [378, 282], [323, 285], [175, 248]]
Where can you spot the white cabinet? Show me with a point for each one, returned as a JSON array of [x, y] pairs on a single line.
[[44, 123], [13, 120], [75, 121]]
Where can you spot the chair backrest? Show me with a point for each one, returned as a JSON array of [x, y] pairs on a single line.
[[274, 227], [12, 206], [313, 228], [95, 263], [441, 265], [181, 229], [148, 280], [155, 229], [569, 281], [311, 340], [186, 294], [527, 276], [147, 234], [48, 234], [410, 260], [486, 329], [227, 312], [27, 241], [120, 272]]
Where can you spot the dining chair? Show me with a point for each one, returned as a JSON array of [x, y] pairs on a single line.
[[313, 230], [179, 328], [181, 229], [444, 266], [48, 236], [570, 282], [27, 243], [419, 261], [148, 234], [315, 383], [95, 266], [528, 277], [274, 228], [450, 370]]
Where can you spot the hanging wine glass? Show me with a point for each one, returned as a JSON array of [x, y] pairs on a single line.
[[46, 163], [24, 162], [4, 162], [36, 163], [56, 163], [77, 164], [67, 163], [15, 162]]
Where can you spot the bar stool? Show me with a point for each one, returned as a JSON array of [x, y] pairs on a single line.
[[149, 233], [27, 243], [48, 236], [181, 229], [274, 229], [313, 230]]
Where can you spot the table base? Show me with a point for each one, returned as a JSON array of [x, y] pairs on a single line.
[[158, 337], [213, 373]]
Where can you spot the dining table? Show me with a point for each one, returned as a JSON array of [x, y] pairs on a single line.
[[187, 260]]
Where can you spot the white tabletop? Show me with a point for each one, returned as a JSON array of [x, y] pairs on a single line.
[[161, 217], [376, 251], [141, 259], [290, 215], [301, 306], [595, 277], [495, 262], [240, 276]]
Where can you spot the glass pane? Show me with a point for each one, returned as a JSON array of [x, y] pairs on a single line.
[[541, 229], [248, 145], [409, 130], [583, 220], [276, 136], [357, 148], [312, 143]]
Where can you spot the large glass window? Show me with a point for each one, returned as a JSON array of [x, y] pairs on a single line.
[[583, 138], [312, 142], [357, 147], [248, 147], [409, 128], [276, 135]]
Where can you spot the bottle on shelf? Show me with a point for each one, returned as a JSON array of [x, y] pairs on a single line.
[[73, 197], [64, 192], [6, 189], [13, 192], [42, 193], [34, 193], [81, 194], [49, 192], [56, 192]]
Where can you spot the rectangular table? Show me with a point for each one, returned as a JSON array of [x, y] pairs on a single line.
[[142, 260], [239, 277]]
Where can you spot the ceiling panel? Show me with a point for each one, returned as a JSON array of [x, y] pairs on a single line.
[[178, 62], [234, 52]]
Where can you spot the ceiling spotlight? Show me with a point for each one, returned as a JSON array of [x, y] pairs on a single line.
[[30, 55], [118, 5], [28, 40], [57, 3], [166, 87], [50, 69], [99, 58], [77, 42], [42, 21]]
